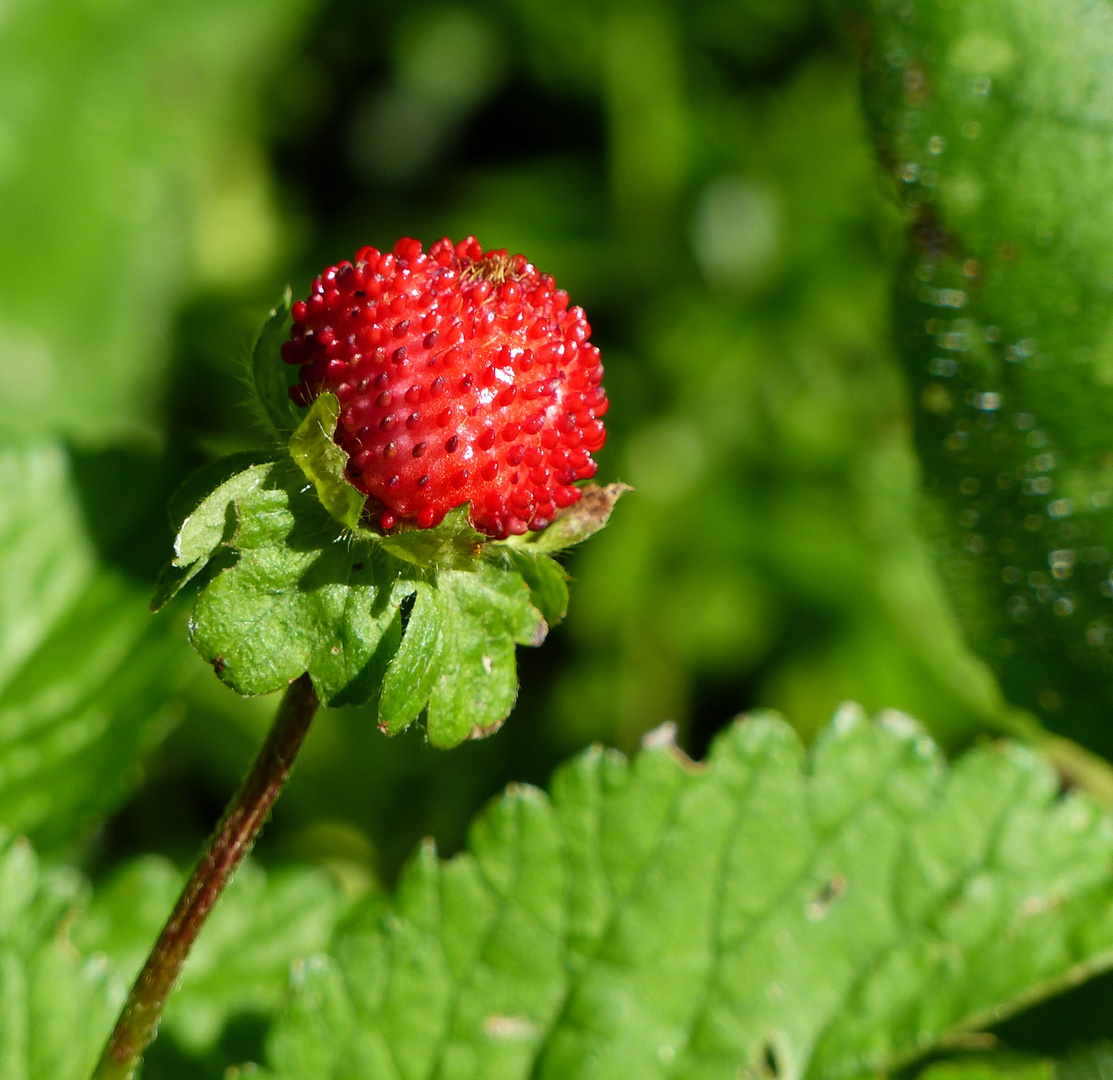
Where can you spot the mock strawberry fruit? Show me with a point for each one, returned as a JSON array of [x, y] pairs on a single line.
[[463, 377]]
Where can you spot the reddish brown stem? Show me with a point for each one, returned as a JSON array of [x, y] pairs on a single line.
[[231, 842]]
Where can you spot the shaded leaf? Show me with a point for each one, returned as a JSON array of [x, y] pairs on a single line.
[[992, 118], [83, 711], [206, 518], [415, 667], [486, 613], [547, 581], [836, 912]]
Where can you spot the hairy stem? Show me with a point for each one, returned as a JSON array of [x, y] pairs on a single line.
[[233, 839]]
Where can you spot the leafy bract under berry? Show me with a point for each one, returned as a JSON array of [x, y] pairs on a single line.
[[462, 376]]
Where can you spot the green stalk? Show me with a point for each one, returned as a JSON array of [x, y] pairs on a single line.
[[233, 839]]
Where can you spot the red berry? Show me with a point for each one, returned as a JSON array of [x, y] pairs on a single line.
[[462, 375]]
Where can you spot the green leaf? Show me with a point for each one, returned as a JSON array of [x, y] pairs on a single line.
[[268, 370], [415, 667], [205, 511], [991, 1067], [46, 557], [487, 612], [992, 117], [574, 525], [241, 963], [323, 462], [67, 959], [299, 592], [547, 581], [87, 678], [56, 1007], [835, 912], [85, 708], [300, 596]]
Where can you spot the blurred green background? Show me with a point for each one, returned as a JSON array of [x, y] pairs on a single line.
[[697, 175]]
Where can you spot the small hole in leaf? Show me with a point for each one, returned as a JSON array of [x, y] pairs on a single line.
[[831, 890]]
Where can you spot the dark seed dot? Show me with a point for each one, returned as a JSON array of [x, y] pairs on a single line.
[[419, 449], [389, 450], [383, 399], [387, 422], [452, 443], [399, 354], [423, 481], [401, 328], [430, 339], [394, 481]]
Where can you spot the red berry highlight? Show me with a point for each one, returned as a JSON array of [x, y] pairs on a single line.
[[462, 375]]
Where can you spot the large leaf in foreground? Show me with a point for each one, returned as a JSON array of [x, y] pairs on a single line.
[[993, 117], [834, 913], [67, 957]]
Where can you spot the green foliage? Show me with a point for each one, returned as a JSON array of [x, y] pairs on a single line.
[[992, 119], [122, 123], [66, 958], [699, 177], [241, 964], [294, 591], [86, 678], [990, 1067], [55, 1006], [834, 914]]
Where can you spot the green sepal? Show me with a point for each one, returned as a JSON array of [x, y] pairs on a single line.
[[268, 370], [453, 544], [417, 664], [203, 514], [546, 578], [574, 525], [487, 611], [294, 590], [302, 595], [323, 462]]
